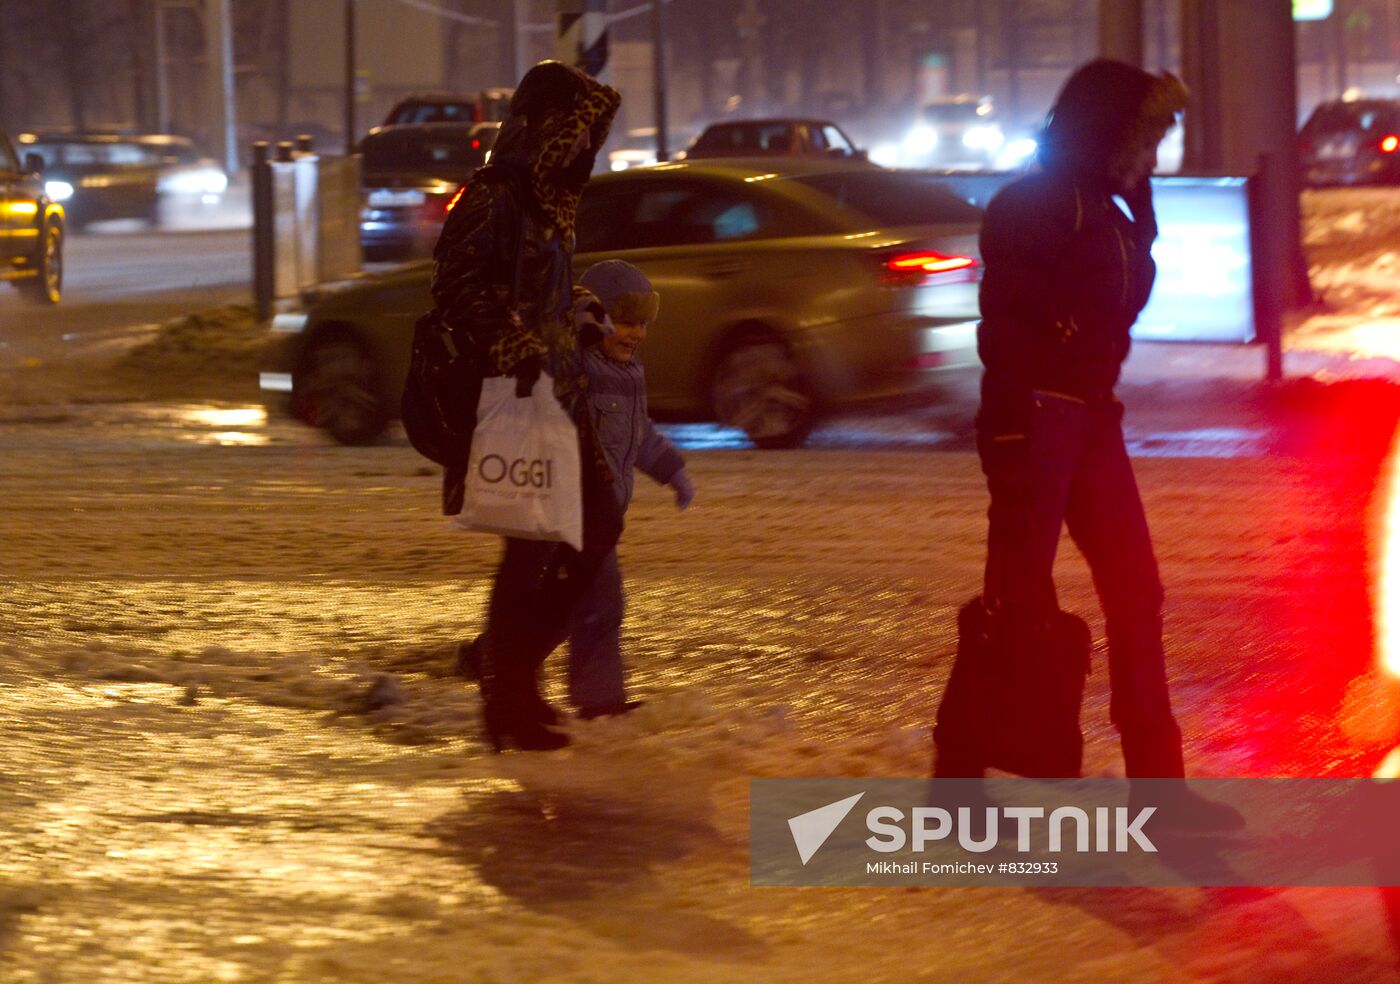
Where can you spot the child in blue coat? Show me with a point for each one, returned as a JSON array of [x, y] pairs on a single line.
[[617, 398], [617, 392]]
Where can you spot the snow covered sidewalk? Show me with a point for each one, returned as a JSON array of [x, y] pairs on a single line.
[[233, 751]]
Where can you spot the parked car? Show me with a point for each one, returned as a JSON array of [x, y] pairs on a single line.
[[31, 227], [435, 107], [637, 148], [787, 291], [1351, 142], [773, 137], [409, 175], [98, 176]]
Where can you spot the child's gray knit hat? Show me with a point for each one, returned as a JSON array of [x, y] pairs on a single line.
[[625, 291]]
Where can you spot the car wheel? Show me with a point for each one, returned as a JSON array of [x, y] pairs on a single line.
[[759, 387], [337, 390], [47, 287]]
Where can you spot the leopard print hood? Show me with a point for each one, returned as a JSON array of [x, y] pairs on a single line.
[[552, 106]]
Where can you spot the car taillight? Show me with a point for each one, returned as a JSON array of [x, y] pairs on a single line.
[[1390, 143], [912, 267]]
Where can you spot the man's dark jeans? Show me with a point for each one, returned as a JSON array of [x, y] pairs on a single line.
[[1072, 469]]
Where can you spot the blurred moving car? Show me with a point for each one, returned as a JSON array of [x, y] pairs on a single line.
[[959, 132], [787, 292], [775, 137], [408, 174], [99, 176], [1351, 142], [31, 227]]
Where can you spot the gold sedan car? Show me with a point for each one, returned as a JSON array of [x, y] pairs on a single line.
[[788, 290]]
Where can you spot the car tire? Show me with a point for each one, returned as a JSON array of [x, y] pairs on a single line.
[[47, 286], [336, 389], [758, 386]]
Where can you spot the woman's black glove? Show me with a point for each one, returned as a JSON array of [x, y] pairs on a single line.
[[527, 372]]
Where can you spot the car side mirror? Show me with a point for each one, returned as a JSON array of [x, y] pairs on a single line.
[[34, 163]]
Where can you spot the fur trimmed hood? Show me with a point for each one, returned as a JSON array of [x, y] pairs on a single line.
[[1104, 107]]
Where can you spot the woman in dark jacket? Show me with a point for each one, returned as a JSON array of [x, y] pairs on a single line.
[[1067, 273], [559, 117]]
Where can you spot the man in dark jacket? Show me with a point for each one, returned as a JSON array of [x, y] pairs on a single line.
[[512, 235], [1067, 273]]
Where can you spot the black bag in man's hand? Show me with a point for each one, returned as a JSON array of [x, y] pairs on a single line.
[[1013, 698], [440, 393]]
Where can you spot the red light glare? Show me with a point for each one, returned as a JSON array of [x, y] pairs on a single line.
[[453, 200], [928, 261], [1388, 594], [1390, 143]]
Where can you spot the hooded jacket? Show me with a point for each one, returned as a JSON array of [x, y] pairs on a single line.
[[1066, 270], [525, 200]]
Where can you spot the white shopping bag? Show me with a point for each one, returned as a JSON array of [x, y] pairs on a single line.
[[523, 475]]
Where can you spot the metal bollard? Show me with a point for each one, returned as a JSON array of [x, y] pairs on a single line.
[[263, 238]]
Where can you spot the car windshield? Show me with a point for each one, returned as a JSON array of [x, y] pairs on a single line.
[[1332, 118], [436, 112], [893, 199], [739, 139], [113, 154], [965, 112], [454, 150]]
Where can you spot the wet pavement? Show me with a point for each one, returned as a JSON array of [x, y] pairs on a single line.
[[235, 753]]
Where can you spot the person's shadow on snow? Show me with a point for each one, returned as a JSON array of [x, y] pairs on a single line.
[[589, 859]]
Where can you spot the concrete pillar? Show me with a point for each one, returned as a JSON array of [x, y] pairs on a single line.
[[1120, 30]]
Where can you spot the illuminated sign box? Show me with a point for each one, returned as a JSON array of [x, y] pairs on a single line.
[[1205, 287]]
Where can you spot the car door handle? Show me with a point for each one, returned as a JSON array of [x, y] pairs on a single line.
[[724, 268]]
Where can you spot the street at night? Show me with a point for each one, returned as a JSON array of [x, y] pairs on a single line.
[[270, 717], [236, 751]]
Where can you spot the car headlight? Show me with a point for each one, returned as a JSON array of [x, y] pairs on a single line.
[[1016, 153], [195, 181], [59, 191], [921, 140], [885, 155], [983, 137]]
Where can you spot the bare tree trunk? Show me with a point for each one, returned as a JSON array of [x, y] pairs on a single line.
[[74, 62], [138, 32], [282, 13], [1011, 34], [4, 59]]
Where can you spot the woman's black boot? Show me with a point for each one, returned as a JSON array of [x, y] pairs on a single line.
[[512, 709]]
